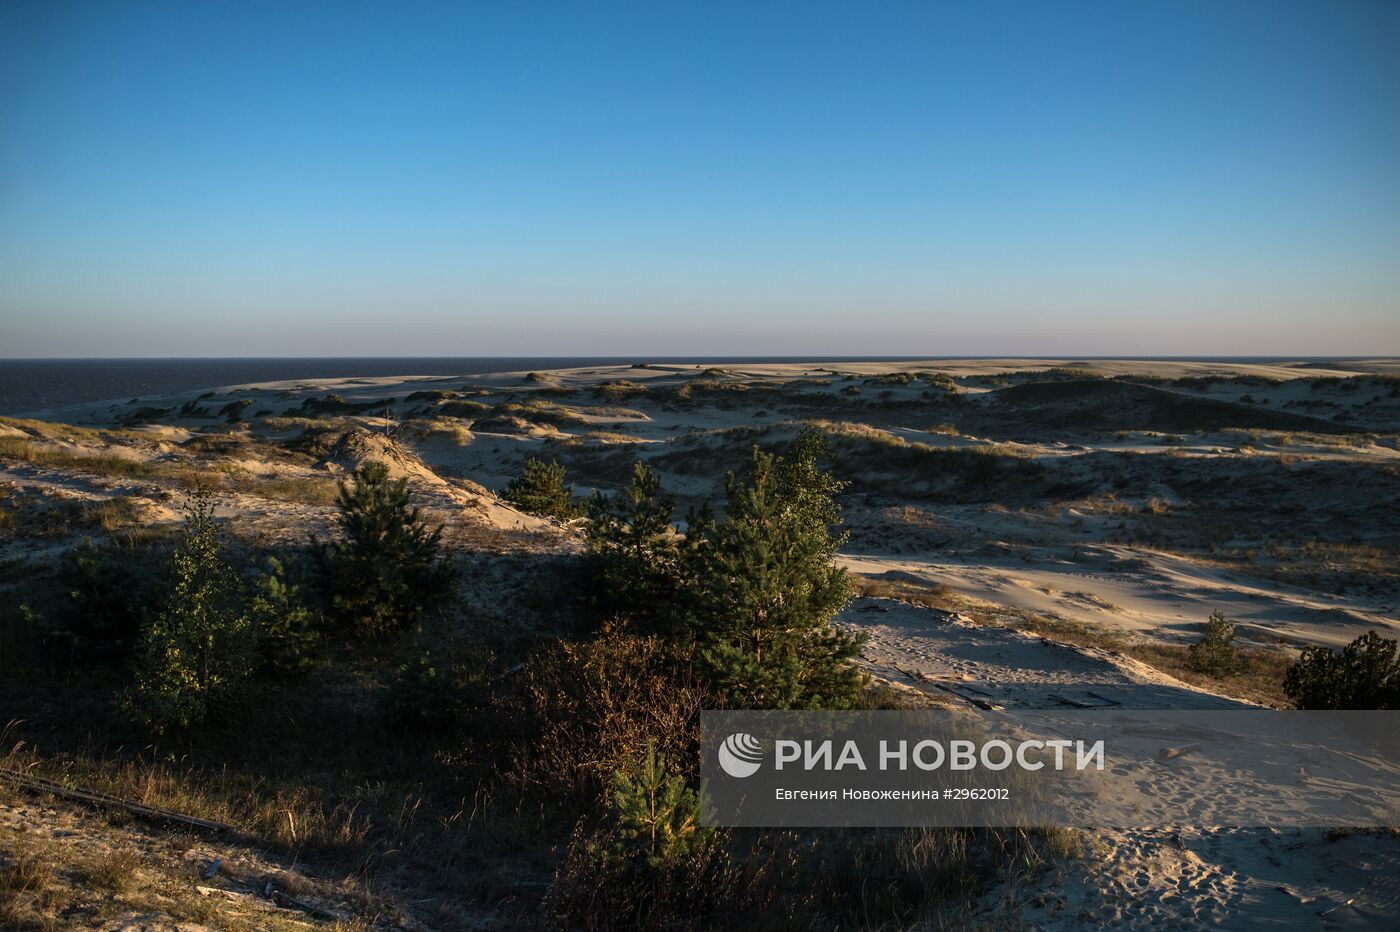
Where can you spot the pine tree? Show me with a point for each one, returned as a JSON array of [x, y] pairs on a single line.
[[1364, 675], [767, 588], [387, 569], [656, 816], [1214, 654], [635, 553], [199, 648], [540, 490]]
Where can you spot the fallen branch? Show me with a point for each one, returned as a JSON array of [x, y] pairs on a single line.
[[95, 798]]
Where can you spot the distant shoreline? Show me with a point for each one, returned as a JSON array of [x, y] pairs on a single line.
[[34, 384]]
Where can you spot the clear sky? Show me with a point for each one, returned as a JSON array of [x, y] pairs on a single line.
[[666, 178]]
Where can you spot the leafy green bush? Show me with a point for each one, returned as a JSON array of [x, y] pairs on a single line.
[[1364, 675], [1214, 654], [199, 650], [386, 570], [288, 629], [541, 491]]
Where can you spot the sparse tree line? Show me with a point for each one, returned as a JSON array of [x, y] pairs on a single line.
[[1363, 675], [196, 631], [745, 602]]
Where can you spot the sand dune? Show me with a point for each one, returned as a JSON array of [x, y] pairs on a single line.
[[1024, 492]]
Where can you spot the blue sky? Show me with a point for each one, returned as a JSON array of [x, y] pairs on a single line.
[[699, 178]]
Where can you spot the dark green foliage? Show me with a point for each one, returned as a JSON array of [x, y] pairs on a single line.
[[288, 629], [386, 570], [433, 395], [335, 404], [1364, 675], [110, 592], [655, 815], [1214, 654], [541, 491], [767, 589], [233, 411], [437, 684], [635, 554], [199, 650]]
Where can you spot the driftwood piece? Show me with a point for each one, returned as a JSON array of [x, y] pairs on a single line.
[[95, 798], [267, 890], [1173, 753], [923, 678], [1062, 700]]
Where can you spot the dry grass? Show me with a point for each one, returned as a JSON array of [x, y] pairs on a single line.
[[288, 816], [92, 876], [1260, 680], [903, 589], [27, 893], [608, 436], [30, 514], [618, 389], [305, 490], [56, 430], [102, 464], [457, 432]]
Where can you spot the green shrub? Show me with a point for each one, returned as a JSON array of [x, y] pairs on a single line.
[[767, 588], [635, 553], [437, 684], [655, 815], [199, 650], [1364, 675], [1214, 654], [386, 570], [541, 491], [288, 629], [111, 591]]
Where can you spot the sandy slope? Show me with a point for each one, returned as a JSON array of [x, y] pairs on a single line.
[[1139, 591], [1168, 876], [945, 654]]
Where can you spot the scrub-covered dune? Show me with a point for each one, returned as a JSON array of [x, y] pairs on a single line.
[[1022, 534]]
